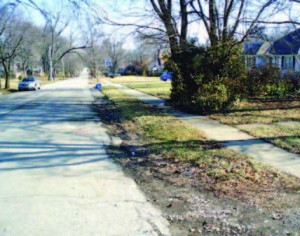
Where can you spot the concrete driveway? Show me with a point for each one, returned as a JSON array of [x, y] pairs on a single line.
[[55, 176]]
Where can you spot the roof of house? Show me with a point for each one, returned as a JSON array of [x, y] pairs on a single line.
[[287, 45], [252, 48], [264, 48]]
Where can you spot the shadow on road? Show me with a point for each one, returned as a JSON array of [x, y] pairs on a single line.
[[59, 129]]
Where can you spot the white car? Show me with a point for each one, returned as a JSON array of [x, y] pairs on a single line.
[[29, 83]]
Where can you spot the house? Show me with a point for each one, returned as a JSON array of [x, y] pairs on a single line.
[[283, 53], [154, 69], [256, 54]]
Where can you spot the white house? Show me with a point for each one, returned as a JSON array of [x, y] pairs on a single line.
[[284, 52]]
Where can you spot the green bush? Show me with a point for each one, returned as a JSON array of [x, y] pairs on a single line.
[[262, 81], [268, 81], [293, 81], [277, 90], [207, 79]]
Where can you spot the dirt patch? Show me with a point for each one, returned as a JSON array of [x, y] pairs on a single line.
[[192, 210], [189, 203]]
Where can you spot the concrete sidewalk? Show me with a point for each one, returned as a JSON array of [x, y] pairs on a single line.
[[229, 136]]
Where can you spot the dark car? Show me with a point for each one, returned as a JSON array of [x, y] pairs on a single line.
[[29, 83], [166, 76]]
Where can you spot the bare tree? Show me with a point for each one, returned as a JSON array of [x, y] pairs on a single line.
[[223, 20], [57, 23], [31, 47], [54, 30], [115, 52], [10, 40], [93, 35], [145, 53]]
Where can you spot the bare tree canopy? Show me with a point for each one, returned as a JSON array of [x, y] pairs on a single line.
[[57, 23], [49, 46], [172, 21], [10, 39]]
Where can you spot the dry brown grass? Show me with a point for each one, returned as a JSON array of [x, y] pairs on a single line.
[[220, 170]]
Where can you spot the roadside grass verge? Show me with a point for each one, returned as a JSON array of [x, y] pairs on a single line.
[[135, 79], [178, 148], [150, 85], [13, 86], [261, 113], [161, 90]]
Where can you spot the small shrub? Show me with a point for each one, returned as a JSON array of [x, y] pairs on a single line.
[[277, 90], [268, 81], [262, 80], [293, 81]]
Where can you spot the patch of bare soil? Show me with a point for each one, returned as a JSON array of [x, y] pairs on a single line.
[[192, 210], [190, 207]]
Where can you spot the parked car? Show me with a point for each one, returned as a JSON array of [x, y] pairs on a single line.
[[167, 75], [29, 83]]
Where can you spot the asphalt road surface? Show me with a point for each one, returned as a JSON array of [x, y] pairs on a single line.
[[55, 175]]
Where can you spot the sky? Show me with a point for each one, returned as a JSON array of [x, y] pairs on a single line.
[[124, 11], [121, 11]]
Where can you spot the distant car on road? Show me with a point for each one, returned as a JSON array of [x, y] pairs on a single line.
[[166, 76], [29, 83]]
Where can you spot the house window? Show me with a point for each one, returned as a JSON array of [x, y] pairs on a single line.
[[288, 63]]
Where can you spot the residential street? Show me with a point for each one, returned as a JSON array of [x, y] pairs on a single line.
[[55, 175]]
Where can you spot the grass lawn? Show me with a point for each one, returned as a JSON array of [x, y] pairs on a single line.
[[264, 113], [150, 85], [135, 79], [284, 135], [260, 112], [13, 86], [161, 89], [218, 169], [267, 120]]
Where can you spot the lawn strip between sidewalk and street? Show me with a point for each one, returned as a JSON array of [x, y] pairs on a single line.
[[221, 170], [274, 121], [160, 147]]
